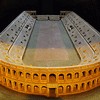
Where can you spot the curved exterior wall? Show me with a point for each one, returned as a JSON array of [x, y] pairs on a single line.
[[40, 81]]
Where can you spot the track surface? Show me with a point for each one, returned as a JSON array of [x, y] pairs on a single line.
[[50, 45]]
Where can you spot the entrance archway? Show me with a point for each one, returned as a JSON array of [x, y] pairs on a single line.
[[52, 92]]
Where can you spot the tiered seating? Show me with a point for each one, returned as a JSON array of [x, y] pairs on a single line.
[[18, 48], [17, 35], [84, 50], [91, 36], [11, 33], [18, 20]]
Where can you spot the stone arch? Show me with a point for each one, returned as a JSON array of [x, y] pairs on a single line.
[[29, 88], [21, 86], [5, 81], [75, 87], [52, 78], [44, 89], [21, 74], [93, 82], [68, 88], [60, 89], [90, 72], [9, 71], [88, 85], [61, 76], [43, 77], [84, 73], [14, 72], [77, 75], [35, 76], [15, 85], [36, 89], [28, 75], [9, 83], [69, 76], [82, 86], [98, 81], [95, 70], [3, 69]]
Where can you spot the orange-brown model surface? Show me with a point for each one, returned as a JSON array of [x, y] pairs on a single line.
[[50, 80]]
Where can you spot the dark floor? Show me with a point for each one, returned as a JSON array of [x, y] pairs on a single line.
[[6, 94]]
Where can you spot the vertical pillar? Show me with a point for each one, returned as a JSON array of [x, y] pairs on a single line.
[[12, 84], [39, 77], [24, 74], [25, 87], [85, 85], [73, 76], [40, 90], [7, 83], [57, 94], [11, 73], [48, 78], [95, 82], [65, 77], [79, 85], [32, 88], [32, 77], [47, 91], [18, 86], [72, 86], [57, 78], [90, 84], [64, 89], [4, 73]]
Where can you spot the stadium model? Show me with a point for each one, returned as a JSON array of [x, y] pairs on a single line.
[[50, 55]]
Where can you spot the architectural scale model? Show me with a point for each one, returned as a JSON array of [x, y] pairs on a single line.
[[50, 55]]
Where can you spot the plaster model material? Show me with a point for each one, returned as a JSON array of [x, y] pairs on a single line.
[[50, 55]]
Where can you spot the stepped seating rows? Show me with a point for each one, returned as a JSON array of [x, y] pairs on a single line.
[[19, 46], [82, 47], [17, 21], [14, 39], [11, 33], [91, 36]]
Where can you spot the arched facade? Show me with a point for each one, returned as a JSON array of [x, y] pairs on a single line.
[[58, 80]]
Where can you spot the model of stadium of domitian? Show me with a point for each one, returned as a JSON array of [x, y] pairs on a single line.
[[50, 55]]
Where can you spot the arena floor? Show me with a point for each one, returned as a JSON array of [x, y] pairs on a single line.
[[50, 45]]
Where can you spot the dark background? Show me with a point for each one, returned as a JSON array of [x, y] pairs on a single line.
[[87, 9]]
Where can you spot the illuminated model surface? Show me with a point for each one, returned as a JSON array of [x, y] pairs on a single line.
[[50, 55]]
